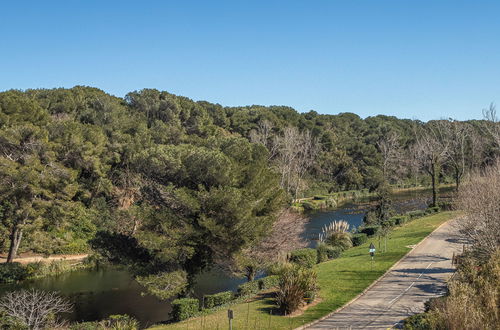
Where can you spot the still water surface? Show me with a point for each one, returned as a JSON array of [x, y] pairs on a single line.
[[99, 293]]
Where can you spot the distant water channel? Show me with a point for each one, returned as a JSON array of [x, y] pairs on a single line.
[[99, 293]]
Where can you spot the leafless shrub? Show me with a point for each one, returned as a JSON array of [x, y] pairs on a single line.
[[480, 200], [34, 308]]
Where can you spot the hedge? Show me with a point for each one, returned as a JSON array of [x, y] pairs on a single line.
[[184, 308], [248, 288], [415, 214], [445, 206], [358, 239], [269, 282], [217, 299], [326, 252], [370, 230], [304, 257], [400, 219], [12, 272], [434, 209]]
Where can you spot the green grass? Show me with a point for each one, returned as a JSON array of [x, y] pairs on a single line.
[[340, 280]]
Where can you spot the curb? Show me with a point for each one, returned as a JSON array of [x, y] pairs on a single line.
[[372, 284]]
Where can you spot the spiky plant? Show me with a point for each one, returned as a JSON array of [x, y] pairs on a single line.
[[336, 234]]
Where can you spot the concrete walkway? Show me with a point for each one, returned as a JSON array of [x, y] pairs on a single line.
[[402, 292]]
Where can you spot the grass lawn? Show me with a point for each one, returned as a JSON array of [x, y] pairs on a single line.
[[340, 280]]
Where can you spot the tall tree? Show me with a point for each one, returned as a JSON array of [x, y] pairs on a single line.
[[432, 147]]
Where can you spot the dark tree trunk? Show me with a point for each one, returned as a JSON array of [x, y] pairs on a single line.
[[251, 272], [15, 239], [435, 184], [457, 179]]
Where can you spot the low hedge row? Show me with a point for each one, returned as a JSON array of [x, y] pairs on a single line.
[[184, 308], [359, 239], [221, 298], [326, 252], [304, 257]]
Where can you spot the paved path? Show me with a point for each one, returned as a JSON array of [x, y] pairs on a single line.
[[402, 292]]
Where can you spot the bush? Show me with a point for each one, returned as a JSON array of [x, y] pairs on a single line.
[[434, 209], [221, 298], [295, 284], [308, 206], [118, 322], [400, 219], [370, 230], [12, 272], [445, 206], [326, 252], [359, 239], [304, 257], [339, 239], [417, 322], [248, 288], [415, 214], [269, 282], [184, 308]]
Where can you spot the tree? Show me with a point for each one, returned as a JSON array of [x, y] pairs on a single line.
[[296, 152], [458, 151], [284, 237], [35, 309], [390, 150], [30, 181], [492, 124], [432, 147]]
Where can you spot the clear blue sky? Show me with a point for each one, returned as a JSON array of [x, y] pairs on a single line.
[[414, 59]]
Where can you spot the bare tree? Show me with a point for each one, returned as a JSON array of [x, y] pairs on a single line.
[[285, 236], [492, 126], [389, 147], [265, 136], [296, 154], [432, 148], [480, 200], [34, 308], [458, 154]]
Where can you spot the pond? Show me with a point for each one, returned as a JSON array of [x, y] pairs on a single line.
[[99, 293]]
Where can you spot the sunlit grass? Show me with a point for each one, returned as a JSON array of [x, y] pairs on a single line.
[[340, 280]]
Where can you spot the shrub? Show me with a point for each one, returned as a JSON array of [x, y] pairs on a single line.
[[295, 284], [417, 322], [269, 282], [391, 222], [184, 308], [308, 206], [370, 230], [221, 298], [321, 253], [434, 209], [304, 257], [333, 252], [341, 240], [400, 219], [359, 239], [415, 214], [117, 322], [445, 206], [12, 272], [248, 288], [326, 252]]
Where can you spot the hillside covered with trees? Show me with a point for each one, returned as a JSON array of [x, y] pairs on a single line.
[[169, 186]]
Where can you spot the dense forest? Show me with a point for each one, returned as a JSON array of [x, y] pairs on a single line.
[[169, 186]]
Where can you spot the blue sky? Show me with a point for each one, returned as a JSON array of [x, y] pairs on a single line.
[[413, 59]]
